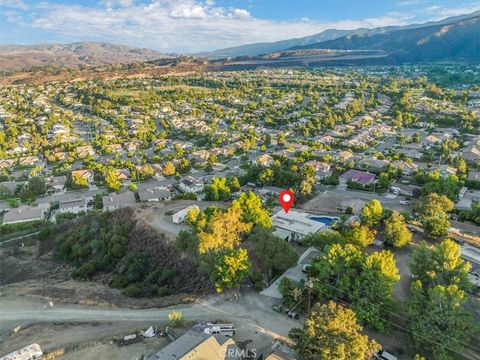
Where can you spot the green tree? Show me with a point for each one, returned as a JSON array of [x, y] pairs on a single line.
[[373, 290], [371, 213], [252, 210], [223, 231], [396, 232], [360, 236], [274, 253], [169, 169], [332, 332], [112, 180], [440, 265], [440, 325], [230, 269], [433, 213], [79, 180]]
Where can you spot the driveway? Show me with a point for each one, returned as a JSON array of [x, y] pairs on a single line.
[[294, 273]]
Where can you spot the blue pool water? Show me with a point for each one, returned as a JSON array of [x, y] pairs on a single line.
[[323, 219]]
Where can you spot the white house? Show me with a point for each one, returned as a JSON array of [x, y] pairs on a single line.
[[117, 201], [294, 225], [154, 194], [73, 205], [189, 184]]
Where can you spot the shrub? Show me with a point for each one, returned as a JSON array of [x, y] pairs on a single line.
[[175, 317], [85, 271], [133, 290]]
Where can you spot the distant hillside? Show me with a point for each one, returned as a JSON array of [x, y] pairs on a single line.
[[24, 57], [327, 35], [269, 47], [457, 40]]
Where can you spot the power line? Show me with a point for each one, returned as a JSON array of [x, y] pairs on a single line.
[[470, 347]]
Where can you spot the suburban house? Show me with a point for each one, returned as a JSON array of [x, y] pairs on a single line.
[[198, 345], [411, 153], [6, 163], [189, 184], [279, 355], [58, 183], [84, 173], [72, 205], [474, 175], [343, 156], [264, 160], [360, 177], [114, 148], [467, 198], [154, 194], [24, 214], [123, 174], [28, 161], [408, 168], [117, 201], [322, 169], [295, 225], [8, 187], [84, 151], [407, 190], [471, 154], [373, 163]]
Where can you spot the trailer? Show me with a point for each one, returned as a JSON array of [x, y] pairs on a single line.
[[180, 216], [220, 329]]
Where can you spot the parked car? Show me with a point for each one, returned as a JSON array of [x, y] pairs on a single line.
[[384, 355], [306, 267], [277, 307], [412, 228], [405, 202], [459, 241], [292, 314]]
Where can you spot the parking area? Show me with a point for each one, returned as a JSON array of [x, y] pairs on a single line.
[[295, 273]]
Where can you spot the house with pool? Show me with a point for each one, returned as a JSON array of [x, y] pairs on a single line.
[[295, 225]]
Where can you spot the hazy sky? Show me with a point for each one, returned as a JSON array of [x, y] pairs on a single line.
[[197, 25]]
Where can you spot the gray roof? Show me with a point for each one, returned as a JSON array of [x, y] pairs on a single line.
[[59, 180], [12, 185], [24, 213], [72, 203], [153, 193], [126, 198]]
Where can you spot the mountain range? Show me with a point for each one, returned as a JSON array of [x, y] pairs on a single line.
[[314, 40], [23, 57], [457, 40], [451, 39]]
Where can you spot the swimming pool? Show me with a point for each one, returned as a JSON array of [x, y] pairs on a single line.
[[327, 220]]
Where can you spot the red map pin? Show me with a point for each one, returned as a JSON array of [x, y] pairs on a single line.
[[286, 199]]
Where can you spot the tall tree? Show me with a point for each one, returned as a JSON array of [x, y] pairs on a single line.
[[396, 232], [230, 269], [331, 331], [223, 230], [252, 210], [371, 213]]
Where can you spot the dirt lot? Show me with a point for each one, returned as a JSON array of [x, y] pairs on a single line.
[[85, 340]]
